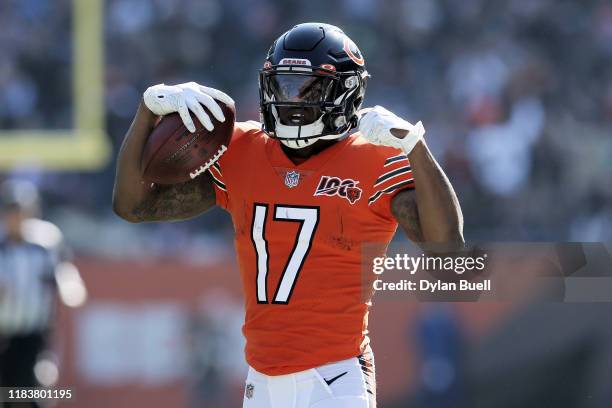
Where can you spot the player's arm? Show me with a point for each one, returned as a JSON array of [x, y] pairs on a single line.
[[404, 209], [430, 213], [137, 201], [176, 202]]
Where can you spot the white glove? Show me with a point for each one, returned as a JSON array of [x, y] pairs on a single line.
[[164, 99], [382, 127]]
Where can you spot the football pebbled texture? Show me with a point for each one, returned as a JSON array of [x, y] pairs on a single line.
[[174, 155]]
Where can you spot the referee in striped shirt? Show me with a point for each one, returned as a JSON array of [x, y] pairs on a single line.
[[33, 271]]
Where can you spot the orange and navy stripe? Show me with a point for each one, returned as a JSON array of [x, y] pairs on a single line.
[[398, 175], [215, 174]]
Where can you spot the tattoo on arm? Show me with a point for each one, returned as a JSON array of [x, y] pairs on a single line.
[[178, 201], [404, 208]]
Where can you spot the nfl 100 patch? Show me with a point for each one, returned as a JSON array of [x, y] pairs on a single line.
[[335, 186]]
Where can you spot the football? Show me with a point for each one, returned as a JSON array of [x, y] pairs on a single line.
[[174, 155]]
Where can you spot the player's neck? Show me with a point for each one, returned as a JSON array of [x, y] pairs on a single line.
[[298, 156]]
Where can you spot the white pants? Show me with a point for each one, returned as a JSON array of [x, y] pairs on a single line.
[[343, 384]]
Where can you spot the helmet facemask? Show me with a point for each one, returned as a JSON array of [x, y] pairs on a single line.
[[301, 104]]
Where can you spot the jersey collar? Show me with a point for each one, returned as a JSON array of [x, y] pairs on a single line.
[[278, 158]]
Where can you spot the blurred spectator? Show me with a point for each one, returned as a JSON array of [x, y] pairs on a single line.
[[216, 352], [441, 345], [33, 271]]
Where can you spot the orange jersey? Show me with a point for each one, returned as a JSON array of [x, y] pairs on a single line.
[[298, 236]]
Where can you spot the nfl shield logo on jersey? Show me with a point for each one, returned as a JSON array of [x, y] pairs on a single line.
[[292, 178], [248, 391]]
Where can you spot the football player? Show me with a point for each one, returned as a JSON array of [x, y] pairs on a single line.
[[306, 188]]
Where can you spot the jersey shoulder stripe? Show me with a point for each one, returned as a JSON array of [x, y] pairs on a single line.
[[397, 174], [216, 180], [396, 169], [391, 160], [394, 187], [217, 167], [391, 174]]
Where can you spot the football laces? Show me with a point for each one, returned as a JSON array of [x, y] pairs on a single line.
[[209, 163]]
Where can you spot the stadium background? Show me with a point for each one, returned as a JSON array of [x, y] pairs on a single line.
[[516, 97]]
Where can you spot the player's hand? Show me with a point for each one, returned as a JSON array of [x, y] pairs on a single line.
[[164, 99], [382, 127]]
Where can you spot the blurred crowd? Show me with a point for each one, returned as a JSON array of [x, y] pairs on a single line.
[[516, 97]]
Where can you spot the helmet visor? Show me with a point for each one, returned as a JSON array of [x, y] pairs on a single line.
[[300, 88]]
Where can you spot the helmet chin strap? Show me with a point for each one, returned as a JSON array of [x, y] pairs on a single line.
[[291, 136]]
